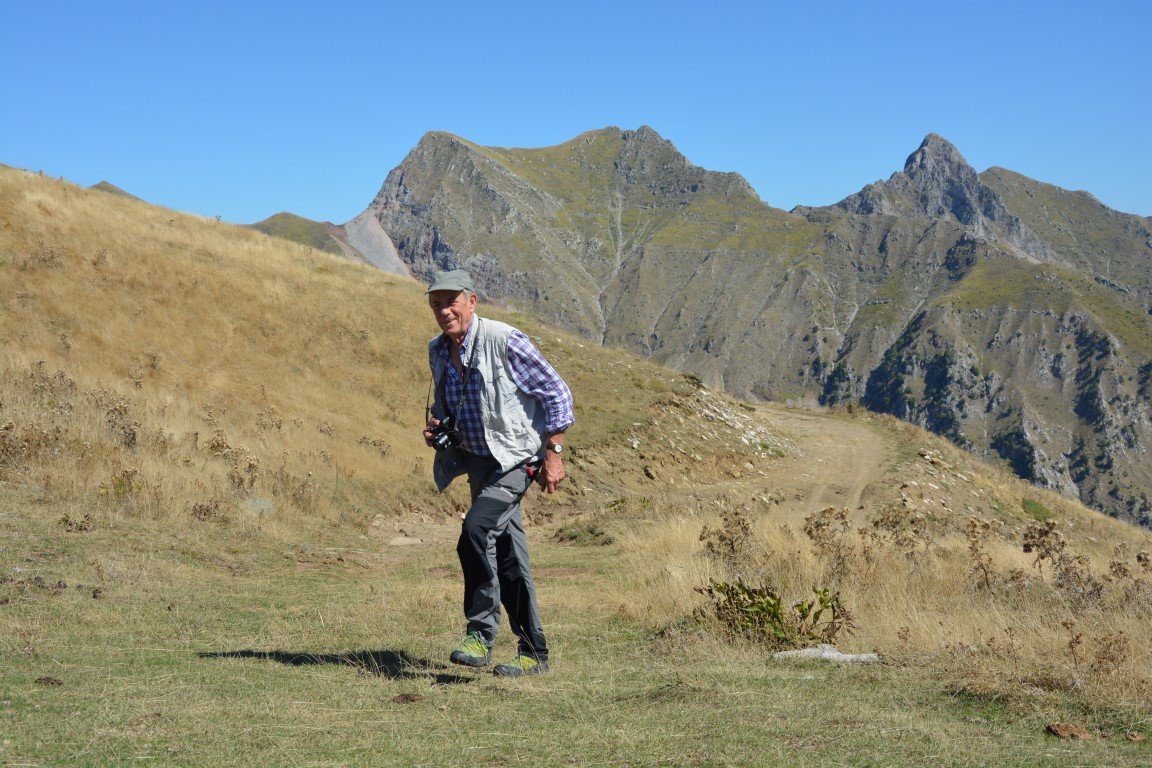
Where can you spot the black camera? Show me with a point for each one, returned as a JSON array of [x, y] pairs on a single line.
[[445, 434]]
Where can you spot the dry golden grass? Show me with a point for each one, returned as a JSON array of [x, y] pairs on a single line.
[[172, 366], [954, 594], [193, 360]]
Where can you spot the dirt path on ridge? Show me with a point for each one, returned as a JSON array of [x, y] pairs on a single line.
[[833, 464]]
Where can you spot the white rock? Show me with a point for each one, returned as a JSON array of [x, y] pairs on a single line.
[[825, 652]]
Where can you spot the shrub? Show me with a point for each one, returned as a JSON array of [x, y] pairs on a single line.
[[760, 614], [584, 534]]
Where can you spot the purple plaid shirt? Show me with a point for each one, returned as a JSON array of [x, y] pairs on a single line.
[[533, 375]]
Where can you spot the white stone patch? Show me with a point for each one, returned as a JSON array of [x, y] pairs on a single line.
[[825, 652]]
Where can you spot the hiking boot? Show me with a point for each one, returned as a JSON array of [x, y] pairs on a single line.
[[472, 652], [521, 665]]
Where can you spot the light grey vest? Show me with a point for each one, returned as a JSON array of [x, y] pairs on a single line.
[[513, 421]]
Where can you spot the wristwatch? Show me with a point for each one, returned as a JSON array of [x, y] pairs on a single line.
[[557, 448]]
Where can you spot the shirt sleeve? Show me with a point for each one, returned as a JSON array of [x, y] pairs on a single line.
[[538, 379]]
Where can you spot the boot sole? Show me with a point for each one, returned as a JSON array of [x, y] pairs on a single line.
[[465, 660], [507, 670]]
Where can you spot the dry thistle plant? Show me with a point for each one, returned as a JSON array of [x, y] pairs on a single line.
[[902, 527], [730, 544], [1075, 640], [1132, 578], [208, 511], [1007, 648], [1071, 572], [1112, 654], [244, 471], [829, 530], [978, 531], [1043, 539]]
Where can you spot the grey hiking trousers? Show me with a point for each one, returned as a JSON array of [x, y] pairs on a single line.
[[494, 556]]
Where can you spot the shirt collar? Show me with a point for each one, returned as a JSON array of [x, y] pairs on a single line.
[[466, 345], [470, 337]]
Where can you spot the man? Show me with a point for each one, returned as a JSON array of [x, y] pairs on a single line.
[[499, 415]]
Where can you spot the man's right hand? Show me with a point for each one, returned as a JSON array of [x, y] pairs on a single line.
[[432, 424]]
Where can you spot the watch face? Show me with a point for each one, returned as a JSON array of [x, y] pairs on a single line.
[[556, 448]]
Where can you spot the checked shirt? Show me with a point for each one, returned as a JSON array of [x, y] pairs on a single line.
[[534, 376]]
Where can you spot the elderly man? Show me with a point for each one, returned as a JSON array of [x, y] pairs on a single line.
[[499, 415]]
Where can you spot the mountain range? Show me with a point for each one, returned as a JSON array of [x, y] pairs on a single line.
[[1010, 315]]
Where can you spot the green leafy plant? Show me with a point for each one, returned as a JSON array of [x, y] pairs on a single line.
[[759, 613]]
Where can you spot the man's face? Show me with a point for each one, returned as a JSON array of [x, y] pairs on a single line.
[[453, 311]]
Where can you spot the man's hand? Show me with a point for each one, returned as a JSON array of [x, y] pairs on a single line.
[[551, 472], [432, 424]]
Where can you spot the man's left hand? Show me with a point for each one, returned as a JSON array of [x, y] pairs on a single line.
[[551, 472]]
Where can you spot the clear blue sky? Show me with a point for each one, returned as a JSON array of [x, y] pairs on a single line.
[[242, 109]]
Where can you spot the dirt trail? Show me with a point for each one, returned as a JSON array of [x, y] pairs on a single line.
[[834, 462]]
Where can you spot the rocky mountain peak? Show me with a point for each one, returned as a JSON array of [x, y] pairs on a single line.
[[645, 134], [937, 159], [648, 161], [938, 183]]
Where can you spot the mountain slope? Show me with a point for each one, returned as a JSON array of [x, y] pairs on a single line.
[[617, 236], [166, 363], [1114, 248], [314, 234], [560, 229]]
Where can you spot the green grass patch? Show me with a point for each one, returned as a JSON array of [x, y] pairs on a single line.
[[229, 650], [1035, 510]]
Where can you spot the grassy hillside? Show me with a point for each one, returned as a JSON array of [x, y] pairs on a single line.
[[211, 359], [1112, 246], [220, 544], [298, 229]]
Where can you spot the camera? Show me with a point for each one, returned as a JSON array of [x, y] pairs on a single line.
[[445, 434]]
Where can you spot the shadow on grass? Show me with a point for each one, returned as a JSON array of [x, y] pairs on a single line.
[[397, 665]]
